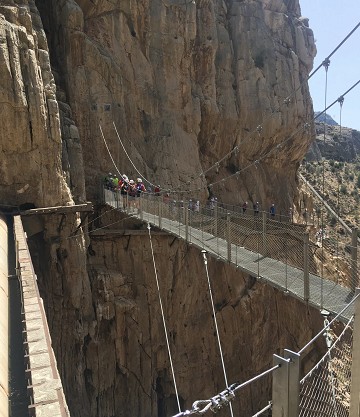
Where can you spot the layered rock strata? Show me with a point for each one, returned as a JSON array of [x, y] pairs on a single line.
[[185, 84], [112, 347]]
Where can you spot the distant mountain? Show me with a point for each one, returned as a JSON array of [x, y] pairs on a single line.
[[321, 119], [339, 144]]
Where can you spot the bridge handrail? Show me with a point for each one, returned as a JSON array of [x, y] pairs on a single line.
[[283, 237], [37, 338], [223, 226]]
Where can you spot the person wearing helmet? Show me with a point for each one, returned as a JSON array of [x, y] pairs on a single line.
[[140, 186]]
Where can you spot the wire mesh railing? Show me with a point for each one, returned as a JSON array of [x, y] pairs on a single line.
[[325, 390], [294, 257], [245, 239]]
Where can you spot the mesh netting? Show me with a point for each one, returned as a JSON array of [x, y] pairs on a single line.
[[325, 390]]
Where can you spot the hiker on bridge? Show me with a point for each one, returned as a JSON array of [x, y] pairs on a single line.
[[244, 207], [272, 210]]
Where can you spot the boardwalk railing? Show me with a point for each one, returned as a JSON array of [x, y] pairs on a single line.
[[292, 257], [44, 385], [283, 254]]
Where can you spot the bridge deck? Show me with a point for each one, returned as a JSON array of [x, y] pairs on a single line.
[[323, 293]]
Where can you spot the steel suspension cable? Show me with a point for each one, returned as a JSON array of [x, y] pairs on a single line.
[[107, 148], [330, 323], [163, 319], [341, 101], [216, 325], [132, 163], [274, 148], [326, 327], [326, 65], [333, 52], [326, 61]]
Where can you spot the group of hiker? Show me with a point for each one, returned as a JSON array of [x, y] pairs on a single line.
[[132, 189], [125, 185]]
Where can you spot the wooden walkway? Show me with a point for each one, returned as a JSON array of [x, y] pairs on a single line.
[[323, 293]]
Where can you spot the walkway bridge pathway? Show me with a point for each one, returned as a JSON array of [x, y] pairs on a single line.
[[280, 253]]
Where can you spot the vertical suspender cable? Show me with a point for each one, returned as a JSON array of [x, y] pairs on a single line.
[[107, 148], [132, 163], [163, 319], [216, 326], [326, 64], [341, 102]]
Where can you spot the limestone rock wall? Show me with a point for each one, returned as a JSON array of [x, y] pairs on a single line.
[[110, 338], [30, 139], [185, 82]]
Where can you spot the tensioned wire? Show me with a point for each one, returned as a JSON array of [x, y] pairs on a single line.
[[321, 332], [216, 325], [286, 102], [163, 319], [326, 66], [255, 163], [278, 146], [259, 127], [329, 350]]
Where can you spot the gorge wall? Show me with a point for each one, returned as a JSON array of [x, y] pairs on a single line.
[[112, 347], [184, 83]]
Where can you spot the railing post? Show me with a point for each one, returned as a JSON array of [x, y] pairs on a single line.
[[294, 381], [228, 236], [216, 219], [159, 210], [141, 207], [354, 240], [186, 212], [306, 267], [280, 387], [264, 216], [355, 366]]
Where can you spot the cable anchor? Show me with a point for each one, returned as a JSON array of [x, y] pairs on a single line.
[[341, 100], [326, 63], [287, 101]]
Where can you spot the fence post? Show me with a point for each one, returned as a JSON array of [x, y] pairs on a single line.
[[216, 219], [306, 267], [141, 207], [228, 236], [294, 381], [264, 215], [354, 240], [186, 212], [355, 366], [280, 387], [159, 211]]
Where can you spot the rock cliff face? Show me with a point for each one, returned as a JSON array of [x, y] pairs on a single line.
[[30, 136], [185, 83], [340, 143], [112, 345]]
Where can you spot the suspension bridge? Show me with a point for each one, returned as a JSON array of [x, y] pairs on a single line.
[[281, 254], [276, 251]]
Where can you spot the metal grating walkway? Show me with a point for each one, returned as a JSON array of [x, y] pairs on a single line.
[[323, 293]]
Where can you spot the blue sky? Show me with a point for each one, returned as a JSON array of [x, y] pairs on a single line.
[[331, 21]]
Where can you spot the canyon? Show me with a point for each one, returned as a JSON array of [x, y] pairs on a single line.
[[185, 83]]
